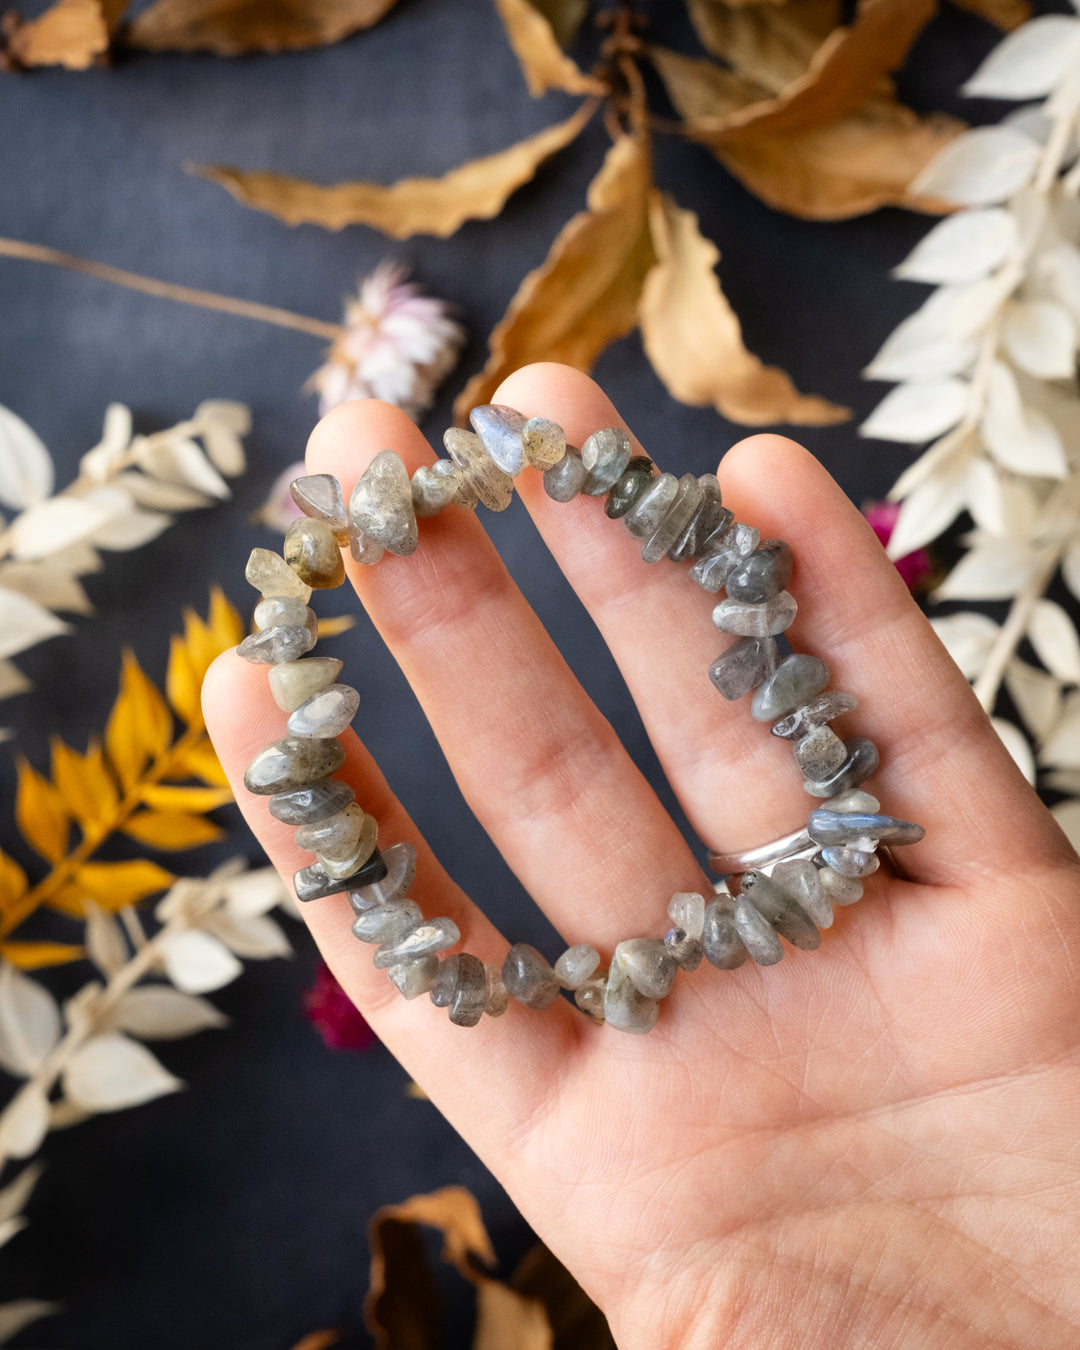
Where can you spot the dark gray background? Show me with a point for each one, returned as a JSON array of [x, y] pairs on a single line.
[[233, 1215]]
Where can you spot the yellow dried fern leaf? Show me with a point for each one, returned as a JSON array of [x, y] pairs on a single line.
[[37, 955], [171, 830], [138, 783], [116, 884], [14, 883], [84, 782], [40, 813]]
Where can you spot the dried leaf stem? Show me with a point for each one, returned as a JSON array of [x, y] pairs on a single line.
[[166, 290], [1014, 629]]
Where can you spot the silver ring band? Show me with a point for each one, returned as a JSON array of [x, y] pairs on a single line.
[[765, 857], [798, 844]]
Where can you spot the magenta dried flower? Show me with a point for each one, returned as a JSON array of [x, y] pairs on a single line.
[[398, 346], [915, 568], [330, 1010]]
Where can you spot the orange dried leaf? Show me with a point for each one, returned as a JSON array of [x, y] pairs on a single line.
[[543, 62], [846, 69], [232, 27], [585, 294], [13, 882], [171, 830], [164, 797], [116, 884], [38, 955], [1006, 14], [854, 165], [40, 813], [84, 782], [694, 340], [71, 33], [198, 761], [477, 190], [182, 684]]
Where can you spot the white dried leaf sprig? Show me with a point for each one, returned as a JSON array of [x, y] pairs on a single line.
[[128, 489], [986, 370], [88, 1056]]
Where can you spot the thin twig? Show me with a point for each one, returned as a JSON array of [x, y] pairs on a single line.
[[165, 290]]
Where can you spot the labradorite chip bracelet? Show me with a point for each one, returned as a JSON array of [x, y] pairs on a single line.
[[786, 889]]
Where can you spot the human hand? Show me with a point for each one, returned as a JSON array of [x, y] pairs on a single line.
[[873, 1144]]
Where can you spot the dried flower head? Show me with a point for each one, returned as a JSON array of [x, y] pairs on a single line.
[[915, 568], [330, 1010], [279, 510], [398, 345]]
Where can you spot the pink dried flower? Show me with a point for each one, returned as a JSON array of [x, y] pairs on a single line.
[[279, 510], [398, 345], [915, 568], [329, 1009]]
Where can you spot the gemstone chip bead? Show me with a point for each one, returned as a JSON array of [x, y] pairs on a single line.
[[311, 551], [293, 762]]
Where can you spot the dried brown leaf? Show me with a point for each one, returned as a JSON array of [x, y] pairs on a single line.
[[318, 1340], [40, 813], [232, 27], [701, 89], [506, 1318], [848, 68], [402, 1304], [71, 33], [536, 46], [1006, 14], [863, 161], [477, 190], [585, 294], [693, 337], [576, 1322], [565, 17], [771, 45]]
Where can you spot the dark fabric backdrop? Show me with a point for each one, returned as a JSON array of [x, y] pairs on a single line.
[[234, 1214]]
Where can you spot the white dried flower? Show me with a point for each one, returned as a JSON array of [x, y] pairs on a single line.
[[398, 346], [986, 369], [127, 491], [279, 510]]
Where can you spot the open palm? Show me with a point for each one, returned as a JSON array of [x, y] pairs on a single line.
[[874, 1144]]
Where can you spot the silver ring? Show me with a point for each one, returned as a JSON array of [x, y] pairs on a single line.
[[798, 844], [765, 857]]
